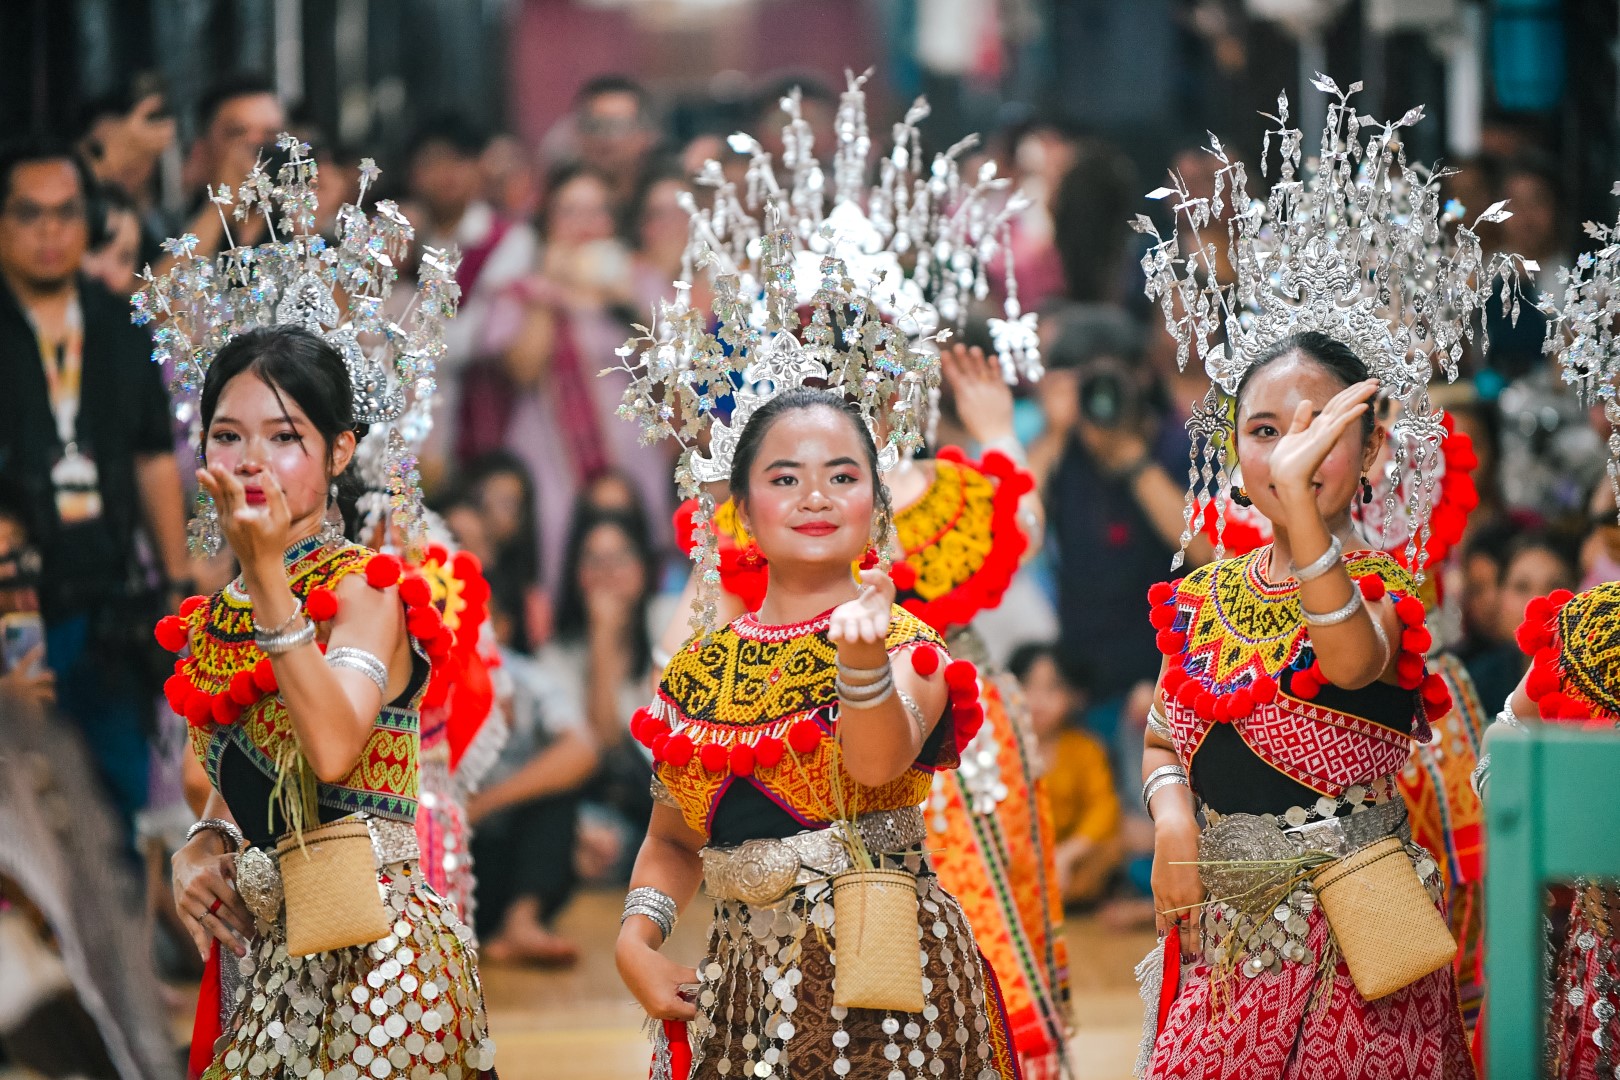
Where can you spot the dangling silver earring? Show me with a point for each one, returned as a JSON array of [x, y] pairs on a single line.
[[332, 531], [204, 537]]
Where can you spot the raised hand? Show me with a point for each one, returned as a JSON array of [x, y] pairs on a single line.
[[1309, 440], [864, 621], [257, 533], [984, 401]]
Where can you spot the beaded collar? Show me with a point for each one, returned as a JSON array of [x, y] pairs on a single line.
[[749, 628]]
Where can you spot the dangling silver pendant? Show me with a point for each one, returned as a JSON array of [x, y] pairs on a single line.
[[332, 530], [204, 537]]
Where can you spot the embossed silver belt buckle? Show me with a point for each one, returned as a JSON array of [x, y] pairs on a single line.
[[757, 872]]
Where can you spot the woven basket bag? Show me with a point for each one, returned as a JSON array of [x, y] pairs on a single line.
[[330, 883], [1388, 929], [875, 930]]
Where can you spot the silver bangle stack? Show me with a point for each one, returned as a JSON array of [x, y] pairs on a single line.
[[864, 688], [1337, 615], [232, 835], [366, 663], [1162, 777], [1158, 724], [1481, 776], [654, 904], [282, 639], [1328, 560]]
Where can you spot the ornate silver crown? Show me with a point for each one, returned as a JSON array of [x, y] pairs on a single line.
[[1354, 243], [1583, 330], [834, 281], [340, 291]]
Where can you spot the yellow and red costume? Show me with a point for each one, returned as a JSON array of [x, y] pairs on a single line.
[[744, 737], [988, 822]]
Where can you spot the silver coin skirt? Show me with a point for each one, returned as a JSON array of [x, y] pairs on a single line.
[[409, 1006], [765, 998]]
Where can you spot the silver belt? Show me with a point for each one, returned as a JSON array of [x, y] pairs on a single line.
[[763, 871], [1234, 839], [258, 870]]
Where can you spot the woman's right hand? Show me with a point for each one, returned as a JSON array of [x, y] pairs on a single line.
[[655, 979], [1177, 888], [204, 880], [31, 681]]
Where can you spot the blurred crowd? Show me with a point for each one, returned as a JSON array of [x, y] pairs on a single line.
[[563, 246]]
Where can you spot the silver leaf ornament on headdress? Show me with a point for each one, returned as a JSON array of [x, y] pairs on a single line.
[[1583, 330], [836, 281], [1354, 243], [340, 291]]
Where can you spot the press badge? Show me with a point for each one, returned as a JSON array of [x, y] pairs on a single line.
[[78, 492]]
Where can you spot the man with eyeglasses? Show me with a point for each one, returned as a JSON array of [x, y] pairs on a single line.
[[615, 131], [85, 436]]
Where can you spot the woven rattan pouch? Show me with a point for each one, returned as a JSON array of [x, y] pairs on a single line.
[[875, 930], [1389, 931], [330, 885]]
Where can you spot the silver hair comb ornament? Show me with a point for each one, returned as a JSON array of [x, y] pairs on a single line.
[[339, 291], [856, 296], [1355, 244], [1582, 330]]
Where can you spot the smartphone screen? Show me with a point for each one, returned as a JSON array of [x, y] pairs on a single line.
[[20, 633]]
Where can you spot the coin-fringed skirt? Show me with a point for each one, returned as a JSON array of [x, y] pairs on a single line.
[[766, 999], [408, 1006]]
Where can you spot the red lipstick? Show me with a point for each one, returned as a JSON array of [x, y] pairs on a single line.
[[816, 528]]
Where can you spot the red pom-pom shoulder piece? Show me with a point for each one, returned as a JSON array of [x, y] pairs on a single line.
[[1204, 705], [1305, 685], [1162, 617], [925, 660], [768, 752], [1558, 598], [1409, 609], [713, 757], [904, 575], [383, 570], [321, 604], [171, 633], [1264, 689], [190, 604], [1408, 671], [962, 677], [176, 688], [1187, 694], [742, 760], [424, 623], [225, 711], [244, 691], [1160, 593], [198, 708], [1170, 642], [660, 745], [1417, 640], [1372, 587], [804, 736], [1434, 690]]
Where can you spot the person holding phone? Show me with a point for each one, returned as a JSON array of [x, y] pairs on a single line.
[[23, 673]]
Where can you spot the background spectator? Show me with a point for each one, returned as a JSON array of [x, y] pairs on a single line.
[[84, 433], [238, 120], [493, 516], [1535, 565], [1079, 783], [613, 123], [114, 255]]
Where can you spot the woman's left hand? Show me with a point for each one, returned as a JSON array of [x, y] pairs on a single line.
[[984, 401], [257, 534], [865, 619], [1310, 439]]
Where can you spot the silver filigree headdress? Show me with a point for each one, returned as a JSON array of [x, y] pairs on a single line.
[[834, 281], [340, 291], [1583, 331], [1355, 244]]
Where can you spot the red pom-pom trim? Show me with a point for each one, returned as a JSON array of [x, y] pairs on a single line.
[[1204, 705], [1264, 689], [768, 752], [742, 760], [1305, 685], [264, 676], [713, 757], [170, 633], [225, 711], [1173, 679], [678, 750], [660, 744], [1408, 671], [383, 570], [925, 660], [1160, 593], [1559, 597], [1417, 640], [1434, 689], [1242, 703], [321, 604], [1409, 609], [244, 691], [962, 677], [176, 688], [415, 591], [804, 735], [1170, 642], [904, 575], [424, 623], [1162, 617], [190, 604], [199, 708], [1187, 693], [1372, 587]]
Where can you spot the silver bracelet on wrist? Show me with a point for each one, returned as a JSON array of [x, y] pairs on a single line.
[[366, 663], [653, 904], [1480, 778], [1507, 717], [869, 702], [864, 691], [286, 642], [273, 632], [234, 840], [1162, 777], [864, 674], [1327, 561], [1336, 616]]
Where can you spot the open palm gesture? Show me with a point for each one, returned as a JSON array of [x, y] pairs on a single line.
[[1300, 452], [257, 533]]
